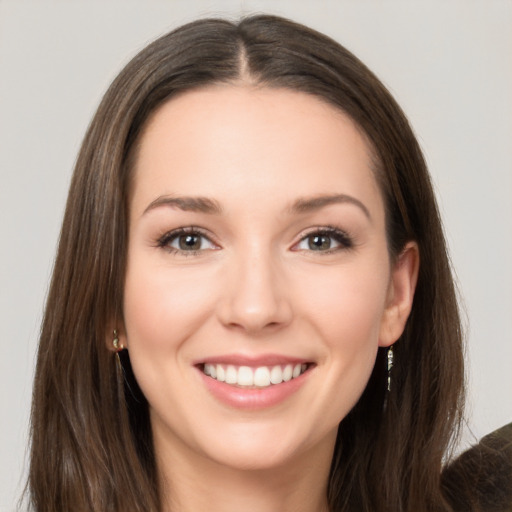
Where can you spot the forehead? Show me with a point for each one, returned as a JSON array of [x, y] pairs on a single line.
[[238, 138]]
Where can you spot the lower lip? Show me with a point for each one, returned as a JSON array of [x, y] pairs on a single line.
[[253, 398]]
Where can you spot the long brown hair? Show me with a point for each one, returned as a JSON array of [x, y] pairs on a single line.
[[91, 439]]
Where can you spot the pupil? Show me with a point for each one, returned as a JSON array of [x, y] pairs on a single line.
[[319, 242], [188, 242]]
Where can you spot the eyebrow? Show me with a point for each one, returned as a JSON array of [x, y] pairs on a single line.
[[310, 204], [210, 206], [188, 204]]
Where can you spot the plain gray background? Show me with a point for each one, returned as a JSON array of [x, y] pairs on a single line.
[[449, 64]]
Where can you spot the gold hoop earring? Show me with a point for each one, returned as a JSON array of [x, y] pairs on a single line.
[[118, 346]]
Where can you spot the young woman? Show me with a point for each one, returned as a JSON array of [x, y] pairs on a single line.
[[252, 306]]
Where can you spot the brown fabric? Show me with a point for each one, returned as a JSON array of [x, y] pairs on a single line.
[[480, 479]]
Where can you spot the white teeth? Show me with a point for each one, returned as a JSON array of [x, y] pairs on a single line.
[[262, 376], [231, 375], [287, 372], [245, 376], [276, 375], [221, 374]]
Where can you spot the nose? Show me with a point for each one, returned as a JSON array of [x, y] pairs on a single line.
[[255, 297]]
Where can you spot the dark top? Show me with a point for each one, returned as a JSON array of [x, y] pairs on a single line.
[[480, 479]]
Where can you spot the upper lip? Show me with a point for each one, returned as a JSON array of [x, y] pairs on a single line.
[[254, 361]]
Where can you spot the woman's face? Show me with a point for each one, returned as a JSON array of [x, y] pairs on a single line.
[[258, 285]]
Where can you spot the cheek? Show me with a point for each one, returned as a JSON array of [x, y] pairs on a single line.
[[162, 312], [348, 306], [346, 310], [162, 307]]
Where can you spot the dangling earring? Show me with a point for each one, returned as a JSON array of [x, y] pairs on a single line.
[[390, 365], [118, 346]]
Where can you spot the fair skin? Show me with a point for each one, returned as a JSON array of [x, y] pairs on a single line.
[[280, 271]]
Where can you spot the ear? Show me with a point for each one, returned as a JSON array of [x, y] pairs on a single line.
[[115, 330], [404, 276]]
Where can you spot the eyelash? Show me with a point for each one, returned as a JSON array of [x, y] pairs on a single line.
[[167, 238], [341, 237]]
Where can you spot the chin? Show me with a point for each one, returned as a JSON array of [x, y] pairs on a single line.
[[244, 458], [268, 447]]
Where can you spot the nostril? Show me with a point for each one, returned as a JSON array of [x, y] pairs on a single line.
[[253, 320], [254, 298]]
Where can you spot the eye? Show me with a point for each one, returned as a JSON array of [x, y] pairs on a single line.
[[184, 240], [324, 240]]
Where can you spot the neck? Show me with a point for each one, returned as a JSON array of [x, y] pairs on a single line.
[[189, 484]]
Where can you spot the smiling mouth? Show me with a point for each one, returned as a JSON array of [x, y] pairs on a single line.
[[254, 377]]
